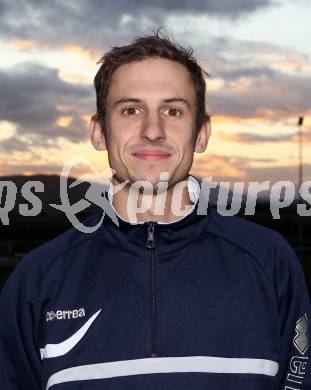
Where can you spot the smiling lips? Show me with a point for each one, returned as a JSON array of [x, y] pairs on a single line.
[[151, 155]]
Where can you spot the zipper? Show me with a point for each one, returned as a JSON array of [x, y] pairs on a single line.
[[152, 276]]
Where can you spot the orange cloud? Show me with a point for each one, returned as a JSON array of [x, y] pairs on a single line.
[[228, 136], [65, 107], [86, 118], [75, 77], [216, 166], [289, 64], [64, 121], [223, 120], [25, 44], [81, 51], [306, 135]]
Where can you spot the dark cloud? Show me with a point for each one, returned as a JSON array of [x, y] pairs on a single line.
[[29, 143], [8, 169], [243, 161], [254, 138], [13, 144], [259, 138], [94, 23], [32, 96], [275, 95], [254, 86]]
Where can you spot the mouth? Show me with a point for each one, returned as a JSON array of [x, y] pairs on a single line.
[[151, 155]]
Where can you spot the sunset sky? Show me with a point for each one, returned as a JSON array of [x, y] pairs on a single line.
[[258, 53]]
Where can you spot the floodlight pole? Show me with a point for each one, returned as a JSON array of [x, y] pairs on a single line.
[[300, 178]]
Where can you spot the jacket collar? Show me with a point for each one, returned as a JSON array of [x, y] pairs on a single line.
[[193, 186], [170, 237]]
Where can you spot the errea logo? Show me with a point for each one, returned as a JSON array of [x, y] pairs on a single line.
[[65, 314]]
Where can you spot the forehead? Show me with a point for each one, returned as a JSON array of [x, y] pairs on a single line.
[[156, 78]]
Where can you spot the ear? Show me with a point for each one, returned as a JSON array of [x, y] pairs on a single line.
[[97, 134], [203, 136]]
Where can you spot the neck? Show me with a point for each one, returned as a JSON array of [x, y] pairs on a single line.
[[167, 206]]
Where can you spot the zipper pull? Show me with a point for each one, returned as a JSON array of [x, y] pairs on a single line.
[[150, 239]]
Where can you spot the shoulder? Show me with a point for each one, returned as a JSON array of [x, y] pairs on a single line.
[[36, 263], [265, 245]]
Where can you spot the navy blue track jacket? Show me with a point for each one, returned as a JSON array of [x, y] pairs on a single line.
[[207, 302]]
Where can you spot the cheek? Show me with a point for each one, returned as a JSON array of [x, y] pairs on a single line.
[[182, 137], [124, 131], [120, 133]]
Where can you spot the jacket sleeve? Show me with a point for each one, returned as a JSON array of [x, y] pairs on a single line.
[[20, 363], [294, 322]]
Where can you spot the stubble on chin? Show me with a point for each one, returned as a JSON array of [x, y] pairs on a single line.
[[152, 183]]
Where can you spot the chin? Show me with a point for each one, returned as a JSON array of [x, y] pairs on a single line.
[[152, 180]]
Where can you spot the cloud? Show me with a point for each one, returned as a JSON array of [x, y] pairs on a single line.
[[235, 168], [33, 97], [255, 138], [268, 94], [8, 169], [92, 23], [245, 137], [255, 83], [225, 168], [29, 143]]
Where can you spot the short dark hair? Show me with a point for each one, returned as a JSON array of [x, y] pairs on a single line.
[[150, 45]]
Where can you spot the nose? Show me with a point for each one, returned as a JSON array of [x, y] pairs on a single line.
[[153, 128]]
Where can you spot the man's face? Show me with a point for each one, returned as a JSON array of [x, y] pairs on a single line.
[[150, 123]]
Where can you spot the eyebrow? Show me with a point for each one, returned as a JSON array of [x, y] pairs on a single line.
[[136, 100]]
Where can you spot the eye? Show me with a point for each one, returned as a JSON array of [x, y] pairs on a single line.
[[130, 111], [173, 111]]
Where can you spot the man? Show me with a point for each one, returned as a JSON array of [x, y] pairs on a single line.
[[160, 300]]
